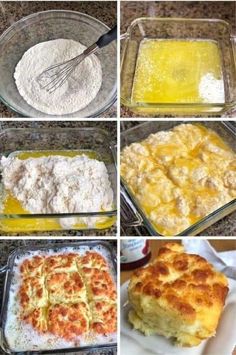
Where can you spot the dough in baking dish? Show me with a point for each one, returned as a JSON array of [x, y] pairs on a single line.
[[68, 295], [65, 287], [180, 176]]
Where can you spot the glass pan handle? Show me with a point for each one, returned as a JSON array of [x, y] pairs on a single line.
[[234, 47], [3, 269], [129, 215]]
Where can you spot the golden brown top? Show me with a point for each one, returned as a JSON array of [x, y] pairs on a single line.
[[65, 287], [104, 317], [68, 295], [99, 284], [32, 267], [32, 294], [68, 320], [58, 263], [93, 260], [185, 283]]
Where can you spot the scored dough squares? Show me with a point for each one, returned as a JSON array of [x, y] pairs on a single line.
[[38, 319], [99, 283], [65, 302], [104, 317], [61, 263], [95, 271], [92, 260], [69, 320], [33, 294], [32, 267], [101, 292], [65, 287]]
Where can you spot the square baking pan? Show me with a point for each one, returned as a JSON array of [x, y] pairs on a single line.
[[145, 28], [134, 215], [13, 141], [8, 269]]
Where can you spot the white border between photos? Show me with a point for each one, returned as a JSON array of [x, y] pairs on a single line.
[[118, 121]]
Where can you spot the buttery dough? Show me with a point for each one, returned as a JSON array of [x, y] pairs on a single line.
[[57, 184], [180, 176]]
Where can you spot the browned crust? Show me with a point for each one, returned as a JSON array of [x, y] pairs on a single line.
[[186, 283], [57, 298], [68, 320], [105, 317]]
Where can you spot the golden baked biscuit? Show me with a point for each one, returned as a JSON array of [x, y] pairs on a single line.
[[69, 320], [33, 294], [64, 287], [32, 267], [104, 317], [68, 295], [60, 263], [92, 260], [38, 319], [178, 295], [99, 283]]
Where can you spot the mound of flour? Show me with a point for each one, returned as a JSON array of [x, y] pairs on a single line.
[[58, 184], [211, 90], [76, 92]]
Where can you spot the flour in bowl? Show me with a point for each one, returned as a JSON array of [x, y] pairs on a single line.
[[57, 184], [76, 92]]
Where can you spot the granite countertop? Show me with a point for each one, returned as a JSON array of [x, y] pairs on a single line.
[[11, 11], [131, 10], [7, 246], [224, 227], [111, 127]]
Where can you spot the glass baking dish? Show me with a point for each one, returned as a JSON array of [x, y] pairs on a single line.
[[179, 28], [138, 133], [49, 25], [9, 274], [59, 139]]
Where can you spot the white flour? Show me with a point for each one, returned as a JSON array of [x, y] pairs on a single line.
[[76, 92], [211, 89], [59, 184]]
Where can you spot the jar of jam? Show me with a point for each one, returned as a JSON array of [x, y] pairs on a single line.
[[134, 253]]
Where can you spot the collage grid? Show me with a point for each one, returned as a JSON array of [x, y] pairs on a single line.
[[133, 144]]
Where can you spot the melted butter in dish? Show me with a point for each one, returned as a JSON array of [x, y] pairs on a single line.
[[180, 176], [178, 71]]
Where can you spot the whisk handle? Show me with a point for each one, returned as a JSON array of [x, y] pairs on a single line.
[[107, 38]]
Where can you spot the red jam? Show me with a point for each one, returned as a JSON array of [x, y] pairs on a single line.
[[134, 253]]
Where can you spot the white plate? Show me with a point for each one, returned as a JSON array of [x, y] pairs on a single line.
[[134, 342]]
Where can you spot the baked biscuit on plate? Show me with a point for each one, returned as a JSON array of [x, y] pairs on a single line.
[[178, 295]]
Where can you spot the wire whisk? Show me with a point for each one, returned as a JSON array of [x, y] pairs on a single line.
[[53, 77]]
